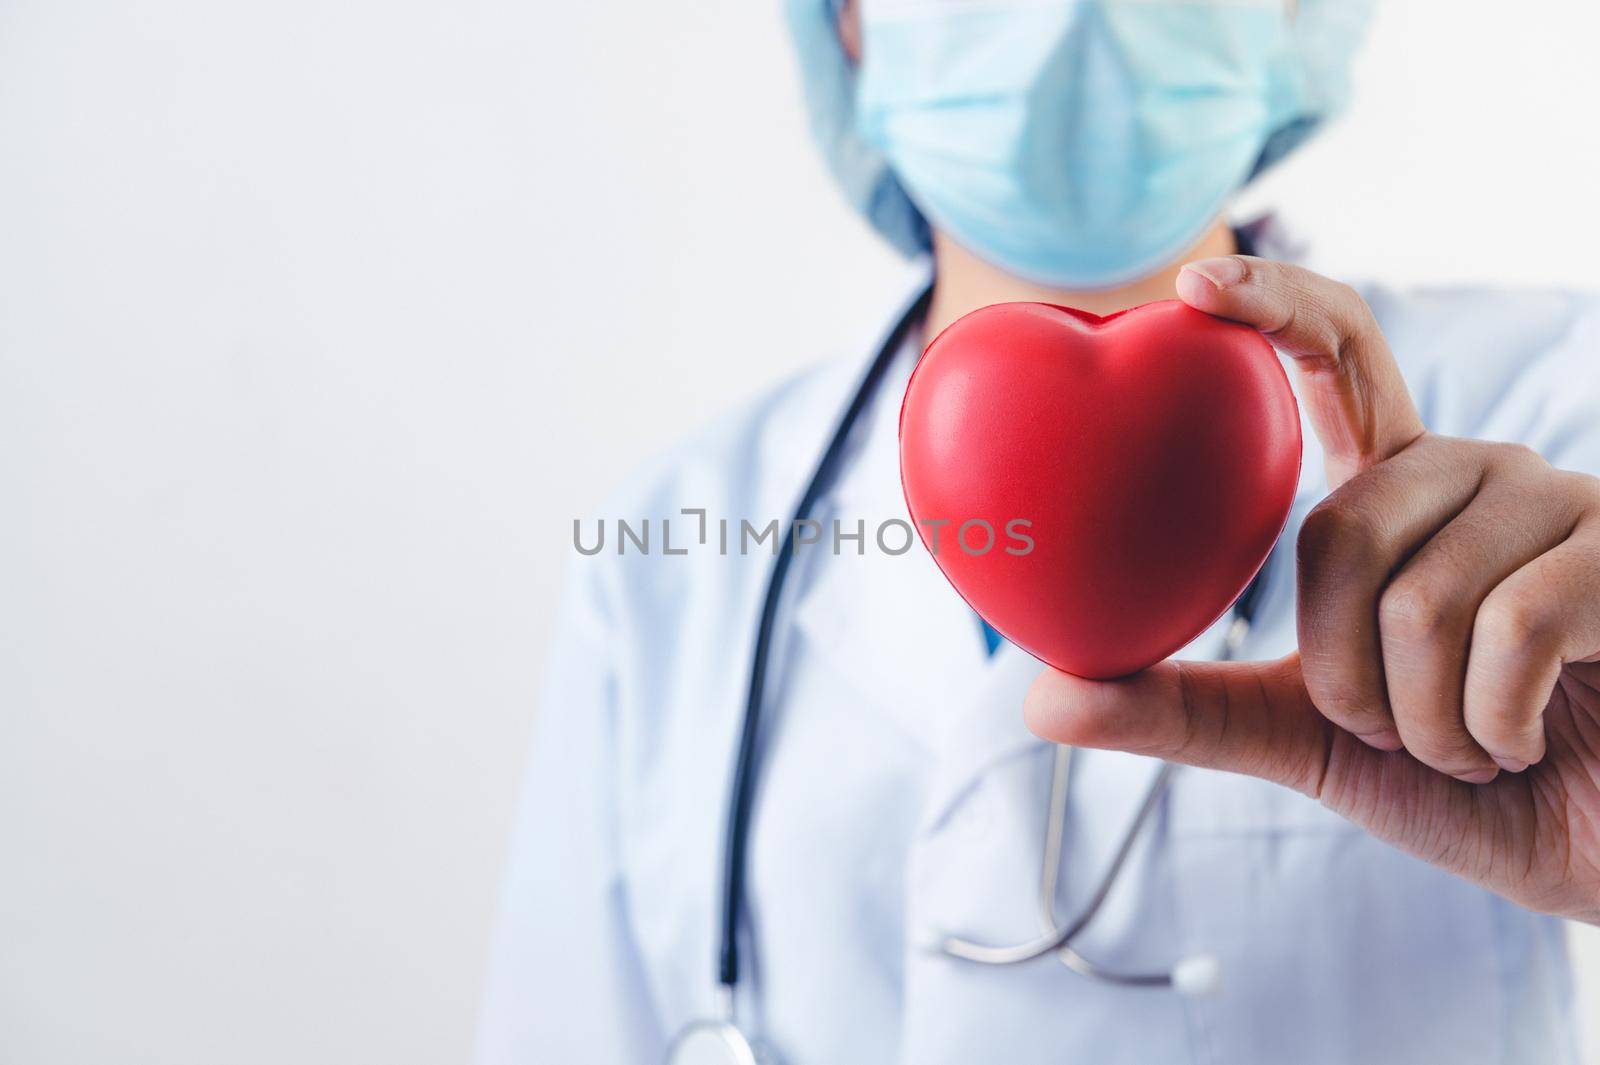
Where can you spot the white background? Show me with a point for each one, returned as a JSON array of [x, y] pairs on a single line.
[[319, 322]]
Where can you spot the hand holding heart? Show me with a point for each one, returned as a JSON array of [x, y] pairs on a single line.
[[1446, 694]]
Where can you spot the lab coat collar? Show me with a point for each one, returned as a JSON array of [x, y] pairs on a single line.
[[892, 626], [799, 433]]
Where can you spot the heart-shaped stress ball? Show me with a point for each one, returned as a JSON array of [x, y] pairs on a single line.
[[1100, 490]]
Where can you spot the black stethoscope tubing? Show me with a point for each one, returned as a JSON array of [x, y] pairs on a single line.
[[737, 833]]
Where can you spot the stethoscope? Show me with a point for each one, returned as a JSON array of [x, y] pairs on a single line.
[[719, 1040]]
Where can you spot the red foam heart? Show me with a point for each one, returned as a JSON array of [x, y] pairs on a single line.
[[1154, 452]]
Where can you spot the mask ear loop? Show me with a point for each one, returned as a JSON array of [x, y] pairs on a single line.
[[1280, 142]]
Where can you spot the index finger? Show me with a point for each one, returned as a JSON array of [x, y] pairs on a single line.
[[1351, 387]]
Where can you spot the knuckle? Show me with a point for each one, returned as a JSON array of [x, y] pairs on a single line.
[[1509, 621], [1320, 313], [1444, 452], [1517, 458], [1318, 317], [1343, 704], [1416, 609], [1351, 309], [1190, 736], [1583, 487], [1348, 300], [1335, 534], [1443, 749], [1500, 733], [1344, 701]]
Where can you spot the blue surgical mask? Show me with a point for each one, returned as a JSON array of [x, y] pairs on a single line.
[[1084, 143]]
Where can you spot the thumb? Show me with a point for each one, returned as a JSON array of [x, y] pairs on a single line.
[[1243, 717], [1351, 386]]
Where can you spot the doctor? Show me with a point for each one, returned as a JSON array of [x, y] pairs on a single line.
[[1409, 742]]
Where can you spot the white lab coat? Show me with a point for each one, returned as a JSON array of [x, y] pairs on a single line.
[[900, 793]]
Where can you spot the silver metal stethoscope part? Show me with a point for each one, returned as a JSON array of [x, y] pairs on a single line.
[[1058, 937], [1197, 974], [716, 1042], [712, 1043]]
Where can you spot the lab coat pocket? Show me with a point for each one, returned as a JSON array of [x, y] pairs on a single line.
[[1334, 947]]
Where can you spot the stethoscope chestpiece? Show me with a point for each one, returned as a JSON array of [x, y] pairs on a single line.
[[1197, 976]]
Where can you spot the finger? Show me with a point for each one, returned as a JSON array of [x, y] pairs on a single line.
[[1349, 547], [1425, 616], [1542, 617], [1256, 718], [1244, 717], [1351, 387]]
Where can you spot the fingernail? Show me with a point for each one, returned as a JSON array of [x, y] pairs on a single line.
[[1221, 272], [1480, 776], [1510, 765], [1384, 740]]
